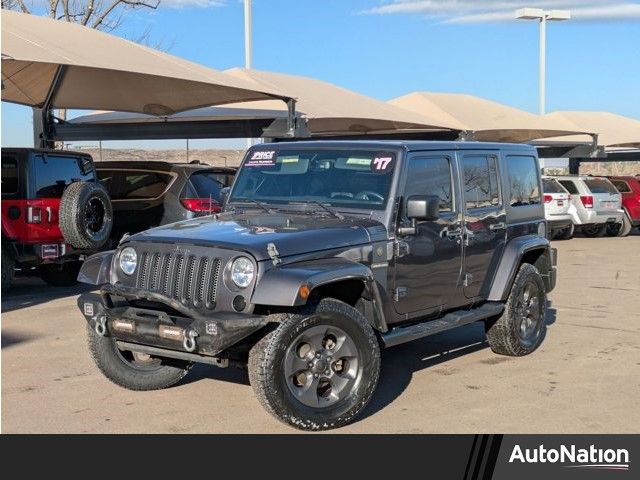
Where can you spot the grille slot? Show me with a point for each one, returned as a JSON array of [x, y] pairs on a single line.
[[190, 279]]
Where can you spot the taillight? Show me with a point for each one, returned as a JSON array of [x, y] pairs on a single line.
[[34, 214], [548, 199], [587, 201], [201, 205]]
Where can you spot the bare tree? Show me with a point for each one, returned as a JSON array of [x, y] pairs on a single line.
[[99, 14]]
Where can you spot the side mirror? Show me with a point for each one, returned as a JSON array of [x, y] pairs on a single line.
[[423, 207], [224, 195]]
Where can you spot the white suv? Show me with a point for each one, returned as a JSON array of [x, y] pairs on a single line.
[[558, 209], [597, 203]]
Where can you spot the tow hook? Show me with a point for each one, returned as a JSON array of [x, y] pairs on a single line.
[[101, 325], [189, 342]]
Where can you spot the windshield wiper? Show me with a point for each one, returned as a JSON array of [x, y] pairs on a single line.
[[326, 208], [259, 204]]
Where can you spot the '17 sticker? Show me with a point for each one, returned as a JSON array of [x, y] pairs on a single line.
[[383, 162]]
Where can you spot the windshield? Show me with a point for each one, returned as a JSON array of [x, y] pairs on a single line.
[[339, 178]]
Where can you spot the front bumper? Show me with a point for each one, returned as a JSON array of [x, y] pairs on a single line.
[[110, 313]]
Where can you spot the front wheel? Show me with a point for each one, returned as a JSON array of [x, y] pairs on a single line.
[[318, 369], [133, 370], [521, 327]]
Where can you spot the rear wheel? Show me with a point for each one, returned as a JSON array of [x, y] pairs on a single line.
[[565, 233], [7, 271], [317, 370], [594, 231], [63, 275], [521, 327], [133, 370]]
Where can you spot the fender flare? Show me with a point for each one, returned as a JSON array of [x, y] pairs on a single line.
[[96, 270], [280, 286], [510, 261]]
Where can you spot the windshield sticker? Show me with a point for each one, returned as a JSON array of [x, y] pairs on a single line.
[[262, 158], [383, 162]]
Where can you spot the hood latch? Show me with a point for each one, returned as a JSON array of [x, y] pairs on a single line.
[[272, 251]]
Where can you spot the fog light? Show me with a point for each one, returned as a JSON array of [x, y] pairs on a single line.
[[239, 303]]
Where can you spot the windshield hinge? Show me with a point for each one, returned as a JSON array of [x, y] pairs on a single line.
[[400, 248], [272, 251]]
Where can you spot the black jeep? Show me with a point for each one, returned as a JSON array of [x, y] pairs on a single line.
[[325, 253]]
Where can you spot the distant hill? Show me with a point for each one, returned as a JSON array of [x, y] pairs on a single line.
[[217, 158]]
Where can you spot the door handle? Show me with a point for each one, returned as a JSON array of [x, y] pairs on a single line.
[[453, 234], [498, 226]]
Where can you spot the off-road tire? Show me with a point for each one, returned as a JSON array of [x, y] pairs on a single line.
[[7, 271], [78, 201], [111, 363], [65, 275], [502, 333], [594, 231], [266, 367], [565, 233]]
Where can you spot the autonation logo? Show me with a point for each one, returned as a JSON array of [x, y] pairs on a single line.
[[574, 457]]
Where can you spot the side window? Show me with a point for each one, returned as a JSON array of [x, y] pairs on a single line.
[[622, 187], [480, 181], [143, 185], [109, 179], [523, 180], [431, 176], [570, 186], [9, 175]]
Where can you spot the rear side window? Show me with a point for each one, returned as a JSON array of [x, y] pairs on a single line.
[[480, 182], [623, 187], [523, 180], [203, 185], [52, 174], [600, 185], [552, 186], [142, 185], [570, 186], [108, 179], [9, 175]]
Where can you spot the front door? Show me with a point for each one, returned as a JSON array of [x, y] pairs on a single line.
[[484, 219], [427, 270]]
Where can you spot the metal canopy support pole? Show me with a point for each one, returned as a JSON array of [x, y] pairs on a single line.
[[542, 66], [466, 136], [47, 140], [291, 117]]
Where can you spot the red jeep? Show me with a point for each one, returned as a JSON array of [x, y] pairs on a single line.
[[54, 213], [629, 187]]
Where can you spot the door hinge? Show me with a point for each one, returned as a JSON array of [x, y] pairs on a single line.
[[467, 280], [400, 292], [400, 248]]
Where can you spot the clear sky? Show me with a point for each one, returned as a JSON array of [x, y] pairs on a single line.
[[386, 48]]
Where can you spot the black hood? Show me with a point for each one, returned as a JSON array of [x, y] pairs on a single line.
[[292, 234]]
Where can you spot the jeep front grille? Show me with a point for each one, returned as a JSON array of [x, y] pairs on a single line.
[[190, 279]]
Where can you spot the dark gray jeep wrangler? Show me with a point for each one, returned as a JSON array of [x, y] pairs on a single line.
[[325, 253]]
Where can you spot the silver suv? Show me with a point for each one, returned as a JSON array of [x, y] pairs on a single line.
[[558, 209], [597, 203]]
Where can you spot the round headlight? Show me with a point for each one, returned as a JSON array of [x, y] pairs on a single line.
[[242, 271], [128, 260]]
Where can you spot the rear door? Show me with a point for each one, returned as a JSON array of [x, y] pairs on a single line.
[[484, 218], [606, 198], [49, 176]]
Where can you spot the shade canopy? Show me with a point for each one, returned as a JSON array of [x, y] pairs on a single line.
[[82, 68], [332, 110], [484, 119], [613, 130]]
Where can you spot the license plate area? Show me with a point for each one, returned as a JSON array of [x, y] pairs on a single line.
[[51, 250]]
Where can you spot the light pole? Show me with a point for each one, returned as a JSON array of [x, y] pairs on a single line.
[[247, 35], [542, 16], [248, 54]]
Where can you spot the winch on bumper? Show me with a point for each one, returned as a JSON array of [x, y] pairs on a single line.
[[188, 336]]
